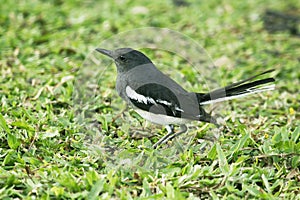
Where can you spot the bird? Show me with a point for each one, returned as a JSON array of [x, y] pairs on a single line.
[[159, 99]]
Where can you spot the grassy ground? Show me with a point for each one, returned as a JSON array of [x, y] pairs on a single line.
[[45, 148]]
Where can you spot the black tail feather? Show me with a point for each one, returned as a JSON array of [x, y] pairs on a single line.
[[243, 88], [249, 79], [236, 90]]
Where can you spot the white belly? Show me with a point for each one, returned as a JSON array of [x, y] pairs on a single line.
[[161, 119]]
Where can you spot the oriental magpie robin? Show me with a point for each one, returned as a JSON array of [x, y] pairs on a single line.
[[160, 100]]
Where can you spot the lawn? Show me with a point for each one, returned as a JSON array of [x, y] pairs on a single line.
[[65, 133]]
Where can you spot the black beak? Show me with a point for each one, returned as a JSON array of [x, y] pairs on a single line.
[[105, 52]]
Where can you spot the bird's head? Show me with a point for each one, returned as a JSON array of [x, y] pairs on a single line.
[[126, 58]]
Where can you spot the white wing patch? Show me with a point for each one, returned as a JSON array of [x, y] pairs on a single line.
[[145, 100], [164, 102], [138, 97], [179, 109], [169, 104]]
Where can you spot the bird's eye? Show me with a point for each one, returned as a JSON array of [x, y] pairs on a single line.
[[122, 58]]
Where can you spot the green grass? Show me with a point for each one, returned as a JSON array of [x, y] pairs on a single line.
[[54, 146]]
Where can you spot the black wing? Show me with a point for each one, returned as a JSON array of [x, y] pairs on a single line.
[[158, 99], [155, 98]]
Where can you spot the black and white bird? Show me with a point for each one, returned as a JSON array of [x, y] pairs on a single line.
[[160, 100]]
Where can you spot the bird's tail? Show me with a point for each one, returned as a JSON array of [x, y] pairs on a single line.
[[237, 90]]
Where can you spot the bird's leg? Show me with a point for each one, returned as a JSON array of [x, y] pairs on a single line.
[[170, 129], [171, 135], [183, 129]]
